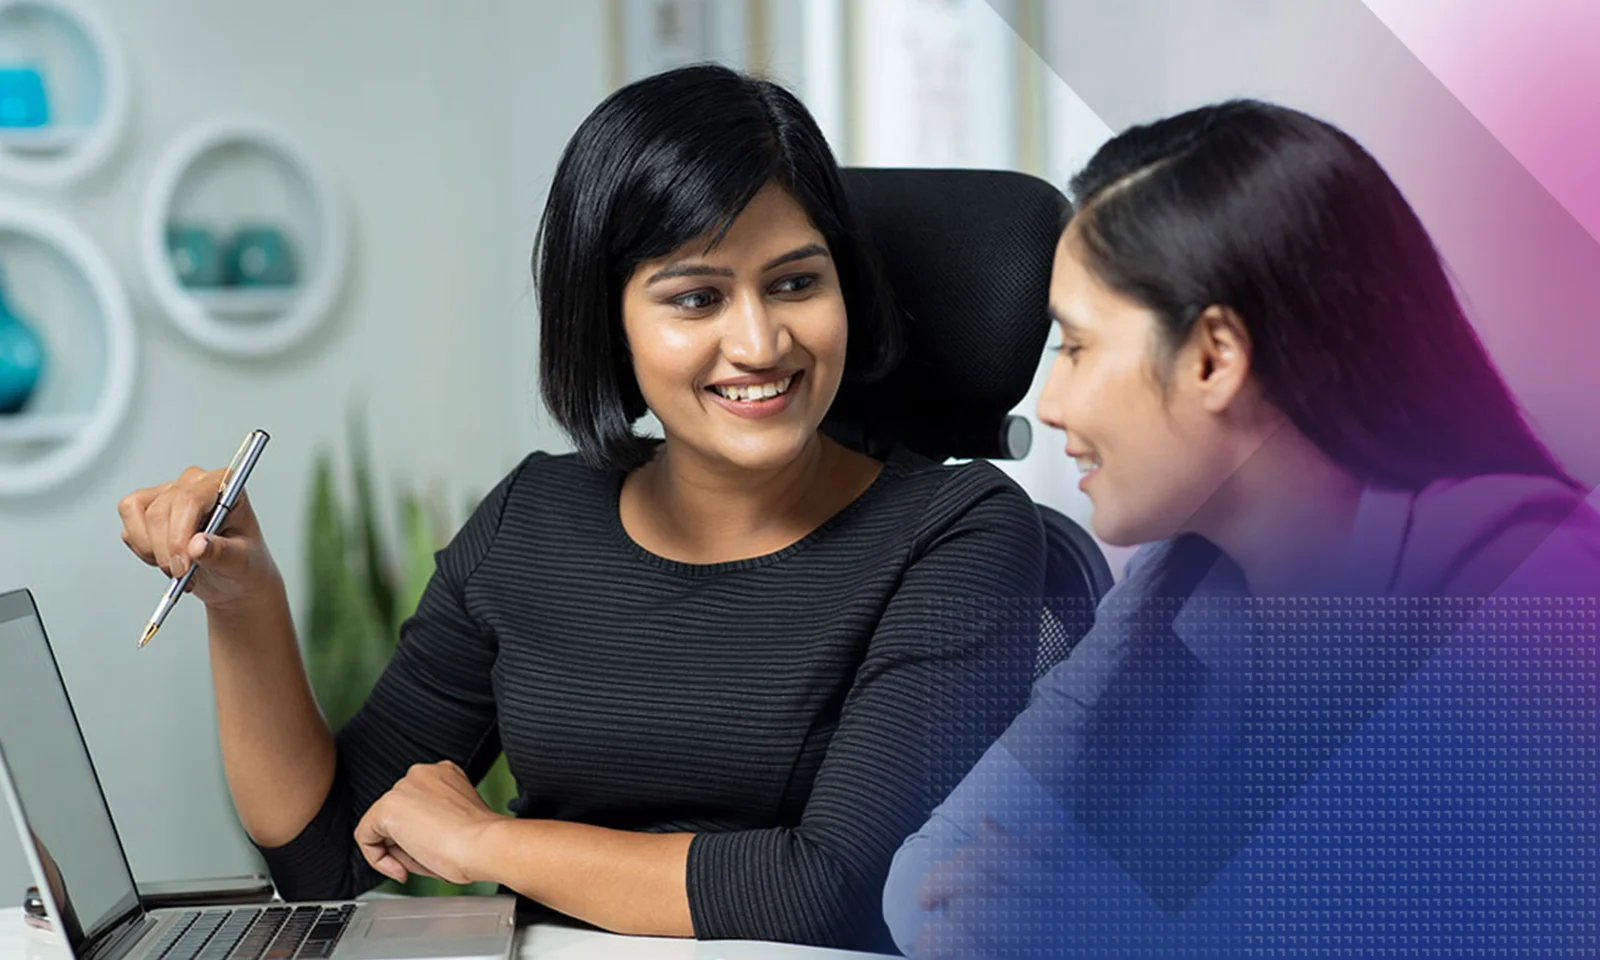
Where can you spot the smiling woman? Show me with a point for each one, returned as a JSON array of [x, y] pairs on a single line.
[[729, 669]]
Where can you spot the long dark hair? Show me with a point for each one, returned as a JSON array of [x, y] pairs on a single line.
[[663, 161], [1357, 334]]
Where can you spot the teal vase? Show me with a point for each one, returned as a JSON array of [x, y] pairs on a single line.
[[21, 358]]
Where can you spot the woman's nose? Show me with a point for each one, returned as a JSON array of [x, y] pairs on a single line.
[[754, 338], [1052, 399]]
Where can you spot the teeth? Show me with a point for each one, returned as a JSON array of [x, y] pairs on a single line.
[[758, 391], [1088, 464]]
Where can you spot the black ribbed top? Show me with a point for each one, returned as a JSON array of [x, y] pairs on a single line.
[[799, 712]]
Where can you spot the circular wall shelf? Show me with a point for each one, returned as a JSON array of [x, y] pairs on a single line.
[[60, 435], [230, 172], [87, 83]]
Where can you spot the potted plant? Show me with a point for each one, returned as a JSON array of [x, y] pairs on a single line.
[[360, 594]]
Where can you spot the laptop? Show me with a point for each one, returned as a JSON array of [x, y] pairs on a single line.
[[50, 786]]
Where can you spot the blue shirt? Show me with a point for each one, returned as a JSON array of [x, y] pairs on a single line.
[[1399, 765]]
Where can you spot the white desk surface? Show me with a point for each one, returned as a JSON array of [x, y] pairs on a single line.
[[20, 941]]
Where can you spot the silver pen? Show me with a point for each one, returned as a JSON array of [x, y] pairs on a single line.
[[227, 495]]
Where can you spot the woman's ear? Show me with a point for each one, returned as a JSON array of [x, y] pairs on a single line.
[[1222, 350]]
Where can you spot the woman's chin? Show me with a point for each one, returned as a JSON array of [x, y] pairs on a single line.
[[768, 450], [1114, 528], [1108, 533]]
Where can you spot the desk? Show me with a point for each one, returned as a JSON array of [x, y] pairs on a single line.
[[20, 941]]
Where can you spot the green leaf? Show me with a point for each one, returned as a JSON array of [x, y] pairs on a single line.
[[498, 787], [344, 631], [419, 542], [379, 573], [359, 597], [325, 551], [328, 627]]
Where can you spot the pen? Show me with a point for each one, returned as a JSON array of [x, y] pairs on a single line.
[[227, 495]]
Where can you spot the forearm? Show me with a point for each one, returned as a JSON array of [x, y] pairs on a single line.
[[619, 880], [276, 748]]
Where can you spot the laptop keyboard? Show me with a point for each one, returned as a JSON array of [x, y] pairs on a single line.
[[255, 933]]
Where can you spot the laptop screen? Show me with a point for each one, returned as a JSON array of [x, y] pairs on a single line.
[[60, 794]]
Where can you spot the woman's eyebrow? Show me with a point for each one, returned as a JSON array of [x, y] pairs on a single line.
[[687, 270], [703, 270], [1067, 326], [798, 253]]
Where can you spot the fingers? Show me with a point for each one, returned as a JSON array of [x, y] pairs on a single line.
[[374, 847], [183, 527], [388, 865], [409, 862], [159, 523], [155, 513], [156, 517], [132, 510], [381, 851]]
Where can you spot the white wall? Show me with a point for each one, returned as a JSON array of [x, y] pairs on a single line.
[[441, 122]]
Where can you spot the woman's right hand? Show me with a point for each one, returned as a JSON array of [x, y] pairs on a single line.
[[163, 526]]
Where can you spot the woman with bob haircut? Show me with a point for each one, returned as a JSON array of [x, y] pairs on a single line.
[[731, 669], [1317, 715]]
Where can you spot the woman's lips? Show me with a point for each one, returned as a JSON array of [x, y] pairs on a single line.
[[760, 409], [1088, 464]]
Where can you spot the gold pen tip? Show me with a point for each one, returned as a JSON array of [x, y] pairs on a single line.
[[149, 631]]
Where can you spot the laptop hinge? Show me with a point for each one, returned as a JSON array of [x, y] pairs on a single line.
[[118, 943]]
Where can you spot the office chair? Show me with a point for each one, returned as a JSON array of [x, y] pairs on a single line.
[[968, 255]]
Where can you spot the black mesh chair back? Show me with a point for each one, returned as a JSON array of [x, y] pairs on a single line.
[[968, 255]]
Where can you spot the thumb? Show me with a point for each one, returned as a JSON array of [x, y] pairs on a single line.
[[212, 550]]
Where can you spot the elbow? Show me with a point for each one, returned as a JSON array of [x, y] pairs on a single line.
[[847, 913], [312, 868], [782, 885], [848, 899], [902, 913], [294, 886]]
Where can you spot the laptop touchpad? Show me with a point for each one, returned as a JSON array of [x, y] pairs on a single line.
[[402, 928]]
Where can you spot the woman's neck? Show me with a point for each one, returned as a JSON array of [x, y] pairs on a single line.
[[1286, 517], [686, 507]]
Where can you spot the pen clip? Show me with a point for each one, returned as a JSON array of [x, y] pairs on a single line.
[[233, 465], [229, 490]]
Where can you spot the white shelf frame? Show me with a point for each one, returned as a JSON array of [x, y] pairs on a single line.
[[245, 301], [42, 140], [200, 314], [76, 438], [56, 157], [39, 427]]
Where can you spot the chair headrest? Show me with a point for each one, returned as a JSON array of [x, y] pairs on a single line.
[[968, 255]]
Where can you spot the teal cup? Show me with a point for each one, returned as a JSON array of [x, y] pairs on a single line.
[[260, 256], [195, 255]]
